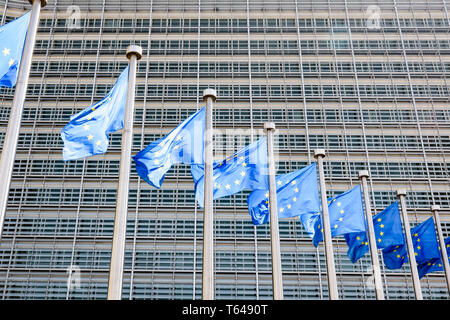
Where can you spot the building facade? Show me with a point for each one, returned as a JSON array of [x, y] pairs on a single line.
[[365, 80]]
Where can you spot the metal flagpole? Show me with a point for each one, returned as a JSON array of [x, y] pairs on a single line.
[[209, 95], [15, 118], [277, 275], [319, 154], [412, 258], [437, 220], [363, 175], [134, 53]]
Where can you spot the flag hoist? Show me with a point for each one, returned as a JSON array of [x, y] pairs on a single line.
[[209, 96], [134, 53], [12, 131]]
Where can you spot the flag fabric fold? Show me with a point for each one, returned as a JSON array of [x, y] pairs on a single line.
[[12, 42], [425, 247], [246, 169], [184, 144], [434, 264], [297, 195], [388, 231], [87, 132], [346, 215]]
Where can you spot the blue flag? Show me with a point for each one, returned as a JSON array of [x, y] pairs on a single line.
[[184, 144], [424, 242], [434, 264], [246, 169], [346, 215], [297, 195], [12, 41], [388, 231], [87, 132]]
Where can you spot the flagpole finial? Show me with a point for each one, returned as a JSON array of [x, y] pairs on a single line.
[[401, 192], [209, 93], [435, 207], [134, 50], [43, 2], [268, 126], [319, 153], [363, 173]]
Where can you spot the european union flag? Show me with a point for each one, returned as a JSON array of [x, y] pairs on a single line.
[[184, 144], [388, 231], [346, 215], [297, 195], [87, 132], [424, 242], [12, 41], [434, 264], [246, 169]]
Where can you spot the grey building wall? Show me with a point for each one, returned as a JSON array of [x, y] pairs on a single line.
[[374, 97]]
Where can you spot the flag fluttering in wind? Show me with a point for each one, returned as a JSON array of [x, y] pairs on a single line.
[[425, 246], [184, 144], [246, 169], [12, 42], [346, 215], [434, 264], [87, 132], [297, 195], [388, 231]]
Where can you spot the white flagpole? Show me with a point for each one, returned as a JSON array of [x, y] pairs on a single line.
[[15, 118], [437, 220], [277, 275], [209, 95], [379, 292], [319, 154], [134, 53], [412, 258]]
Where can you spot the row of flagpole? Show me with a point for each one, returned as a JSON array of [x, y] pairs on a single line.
[[133, 54]]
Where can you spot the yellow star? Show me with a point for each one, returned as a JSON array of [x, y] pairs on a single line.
[[294, 182], [90, 137], [93, 108], [379, 240], [156, 162], [335, 226], [288, 206], [242, 173], [98, 142], [398, 256], [237, 181], [279, 182], [175, 147], [418, 247], [366, 243], [86, 127], [281, 209], [267, 194], [10, 62], [89, 117], [296, 189], [338, 204], [244, 164], [241, 158], [157, 153], [227, 187], [381, 225], [381, 233], [6, 51], [294, 199], [340, 219], [379, 219], [342, 211], [178, 138], [357, 238], [218, 187]]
